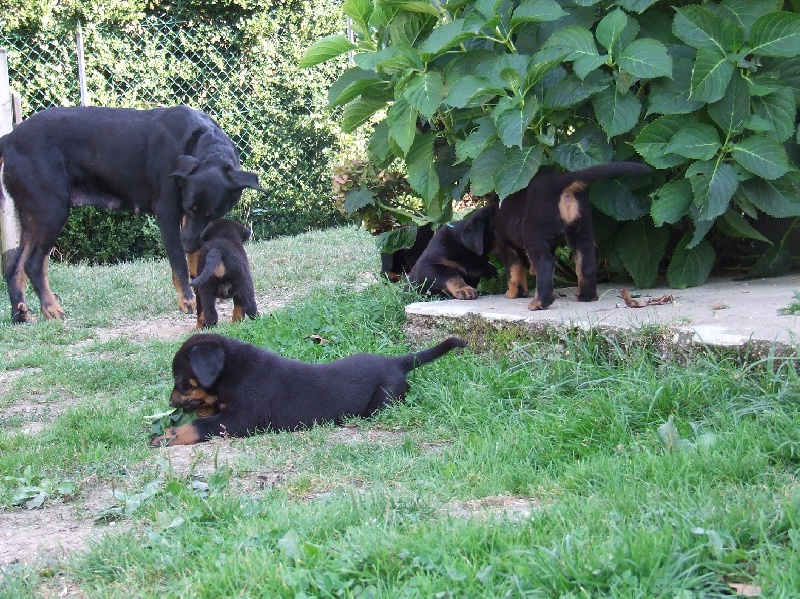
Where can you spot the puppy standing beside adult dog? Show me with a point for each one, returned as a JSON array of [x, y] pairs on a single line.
[[175, 163], [524, 231]]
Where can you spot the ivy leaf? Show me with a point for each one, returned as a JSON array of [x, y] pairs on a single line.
[[425, 93], [776, 34], [690, 267], [778, 198], [586, 147], [762, 156], [713, 184], [617, 201], [731, 112], [646, 58], [521, 166], [779, 109], [358, 112], [421, 169], [654, 139], [536, 11], [699, 142], [641, 246], [672, 96], [324, 49], [711, 74], [402, 121], [674, 200], [617, 113]]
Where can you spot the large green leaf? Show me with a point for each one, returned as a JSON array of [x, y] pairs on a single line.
[[611, 29], [777, 198], [646, 58], [379, 142], [421, 170], [779, 109], [359, 12], [487, 168], [324, 49], [654, 139], [521, 166], [409, 28], [638, 6], [776, 34], [617, 201], [616, 112], [641, 247], [570, 91], [586, 147], [698, 141], [370, 89], [471, 90], [425, 92], [402, 120], [731, 112], [674, 200], [711, 74], [418, 6], [672, 96], [762, 156], [445, 37], [746, 12], [536, 11], [399, 57], [690, 267], [575, 44], [347, 79], [698, 27], [358, 112], [512, 123], [477, 141], [358, 198], [734, 224], [713, 185]]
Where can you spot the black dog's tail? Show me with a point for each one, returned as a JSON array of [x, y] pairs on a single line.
[[420, 358], [604, 171], [213, 258]]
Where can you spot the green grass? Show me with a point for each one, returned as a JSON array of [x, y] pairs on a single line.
[[572, 430]]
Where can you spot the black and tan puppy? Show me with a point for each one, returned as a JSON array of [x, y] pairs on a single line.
[[397, 264], [531, 222], [458, 256], [241, 389], [223, 272]]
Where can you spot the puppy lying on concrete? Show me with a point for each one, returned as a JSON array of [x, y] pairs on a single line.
[[240, 389], [223, 272], [530, 223], [458, 256]]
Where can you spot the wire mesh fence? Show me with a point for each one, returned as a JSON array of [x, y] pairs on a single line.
[[274, 114]]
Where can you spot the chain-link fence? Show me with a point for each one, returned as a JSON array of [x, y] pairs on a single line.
[[274, 113]]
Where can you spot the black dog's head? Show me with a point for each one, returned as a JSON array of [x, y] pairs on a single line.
[[476, 231], [209, 191], [195, 368]]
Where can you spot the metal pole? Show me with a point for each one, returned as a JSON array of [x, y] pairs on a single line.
[[6, 122], [82, 68]]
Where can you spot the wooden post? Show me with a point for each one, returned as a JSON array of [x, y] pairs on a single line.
[[6, 112]]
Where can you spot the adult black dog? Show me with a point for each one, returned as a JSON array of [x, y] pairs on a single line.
[[458, 256], [224, 272], [175, 163], [239, 389]]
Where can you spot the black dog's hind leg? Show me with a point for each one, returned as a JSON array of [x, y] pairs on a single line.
[[543, 264], [582, 245], [207, 302]]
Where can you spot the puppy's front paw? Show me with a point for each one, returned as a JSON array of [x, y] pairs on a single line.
[[466, 293], [163, 440]]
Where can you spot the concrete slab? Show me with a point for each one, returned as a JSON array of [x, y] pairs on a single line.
[[721, 313]]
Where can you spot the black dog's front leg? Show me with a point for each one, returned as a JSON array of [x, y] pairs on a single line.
[[170, 234], [202, 429]]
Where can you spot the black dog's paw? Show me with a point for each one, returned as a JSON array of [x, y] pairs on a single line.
[[465, 293]]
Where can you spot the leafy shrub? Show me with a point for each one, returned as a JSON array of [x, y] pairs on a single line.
[[480, 94]]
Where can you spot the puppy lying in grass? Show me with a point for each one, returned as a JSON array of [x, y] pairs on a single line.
[[223, 272], [239, 389]]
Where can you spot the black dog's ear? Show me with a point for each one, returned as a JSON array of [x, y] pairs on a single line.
[[184, 165], [472, 233], [242, 179], [207, 361], [244, 232]]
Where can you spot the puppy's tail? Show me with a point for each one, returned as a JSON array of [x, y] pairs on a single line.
[[213, 259], [604, 171], [432, 353]]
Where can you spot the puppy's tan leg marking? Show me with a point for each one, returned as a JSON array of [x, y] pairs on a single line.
[[181, 435], [517, 281], [535, 303], [568, 207], [460, 290], [191, 262], [238, 313]]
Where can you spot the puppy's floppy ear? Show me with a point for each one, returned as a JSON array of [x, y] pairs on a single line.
[[207, 361], [184, 166], [472, 233]]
